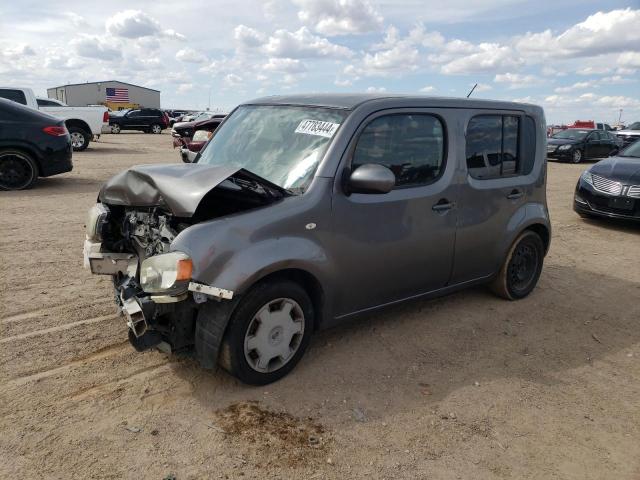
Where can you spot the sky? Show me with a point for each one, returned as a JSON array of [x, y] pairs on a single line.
[[579, 59]]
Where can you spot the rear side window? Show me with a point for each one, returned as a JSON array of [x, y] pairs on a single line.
[[46, 103], [135, 113], [14, 95], [500, 146], [410, 145]]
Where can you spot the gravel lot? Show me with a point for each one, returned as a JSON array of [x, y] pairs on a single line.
[[467, 386]]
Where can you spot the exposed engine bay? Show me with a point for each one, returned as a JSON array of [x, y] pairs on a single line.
[[130, 233]]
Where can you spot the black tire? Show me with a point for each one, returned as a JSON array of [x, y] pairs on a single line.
[[115, 128], [521, 268], [80, 138], [18, 171], [232, 354], [576, 156], [156, 128]]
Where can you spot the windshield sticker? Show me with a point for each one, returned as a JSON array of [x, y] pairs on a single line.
[[318, 128]]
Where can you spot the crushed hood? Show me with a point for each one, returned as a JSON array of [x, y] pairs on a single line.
[[177, 188]]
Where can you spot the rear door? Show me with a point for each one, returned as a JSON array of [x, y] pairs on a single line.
[[500, 152], [399, 244]]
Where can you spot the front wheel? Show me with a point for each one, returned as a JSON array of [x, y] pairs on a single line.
[[79, 138], [18, 171], [522, 267], [576, 156], [268, 332]]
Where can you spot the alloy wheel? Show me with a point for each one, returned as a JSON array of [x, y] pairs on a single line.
[[77, 140], [15, 171], [274, 335]]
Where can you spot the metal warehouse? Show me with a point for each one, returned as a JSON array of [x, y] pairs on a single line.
[[111, 93]]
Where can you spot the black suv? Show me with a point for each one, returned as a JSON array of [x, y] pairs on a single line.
[[148, 120]]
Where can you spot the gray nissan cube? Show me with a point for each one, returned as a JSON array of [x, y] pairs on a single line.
[[303, 211]]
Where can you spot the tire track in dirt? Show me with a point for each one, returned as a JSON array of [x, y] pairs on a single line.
[[100, 354], [58, 328]]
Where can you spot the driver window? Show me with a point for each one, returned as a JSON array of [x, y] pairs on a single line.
[[410, 145]]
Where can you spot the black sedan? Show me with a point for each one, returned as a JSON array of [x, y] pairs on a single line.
[[611, 187], [32, 144], [577, 144]]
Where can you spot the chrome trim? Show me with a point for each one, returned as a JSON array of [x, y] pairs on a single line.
[[634, 191], [605, 185]]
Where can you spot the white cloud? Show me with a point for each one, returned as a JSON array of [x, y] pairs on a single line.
[[376, 89], [602, 32], [18, 51], [629, 59], [482, 87], [576, 86], [488, 58], [248, 37], [91, 46], [132, 24], [185, 87], [303, 44], [517, 80], [428, 89], [137, 24], [190, 55], [232, 80], [339, 17], [287, 65]]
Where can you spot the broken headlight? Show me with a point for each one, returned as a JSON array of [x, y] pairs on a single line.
[[168, 273], [96, 220]]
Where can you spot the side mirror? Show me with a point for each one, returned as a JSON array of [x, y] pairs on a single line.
[[371, 178]]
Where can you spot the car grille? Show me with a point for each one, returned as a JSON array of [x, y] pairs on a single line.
[[634, 191], [605, 185]]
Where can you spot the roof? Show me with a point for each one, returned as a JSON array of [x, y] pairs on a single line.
[[350, 101], [106, 81]]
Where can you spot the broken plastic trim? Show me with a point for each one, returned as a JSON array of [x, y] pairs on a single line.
[[216, 292]]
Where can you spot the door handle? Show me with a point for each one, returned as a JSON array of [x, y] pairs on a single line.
[[443, 205], [515, 194]]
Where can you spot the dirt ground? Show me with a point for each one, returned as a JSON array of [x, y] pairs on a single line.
[[463, 387]]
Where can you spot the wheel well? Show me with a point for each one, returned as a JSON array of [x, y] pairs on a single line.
[[27, 151], [543, 232], [307, 281], [74, 122]]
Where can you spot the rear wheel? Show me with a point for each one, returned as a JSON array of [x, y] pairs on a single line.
[[576, 156], [522, 267], [115, 128], [18, 171], [156, 128], [268, 332], [79, 138]]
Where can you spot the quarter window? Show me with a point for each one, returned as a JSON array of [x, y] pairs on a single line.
[[14, 95], [410, 145], [493, 146]]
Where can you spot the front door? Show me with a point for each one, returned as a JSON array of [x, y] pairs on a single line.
[[400, 244], [596, 147]]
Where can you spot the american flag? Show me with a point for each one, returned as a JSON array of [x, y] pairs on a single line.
[[118, 95]]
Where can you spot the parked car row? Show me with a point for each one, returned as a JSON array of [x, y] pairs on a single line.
[[32, 144], [190, 137], [83, 123]]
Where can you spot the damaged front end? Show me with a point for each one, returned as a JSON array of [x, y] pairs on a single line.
[[129, 236]]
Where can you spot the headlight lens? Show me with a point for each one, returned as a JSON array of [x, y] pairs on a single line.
[[565, 147], [168, 273], [586, 177], [96, 219]]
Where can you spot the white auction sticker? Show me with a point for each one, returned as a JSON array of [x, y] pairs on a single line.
[[317, 127]]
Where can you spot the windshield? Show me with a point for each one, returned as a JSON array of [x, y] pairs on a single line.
[[571, 134], [282, 144], [632, 150], [634, 126]]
